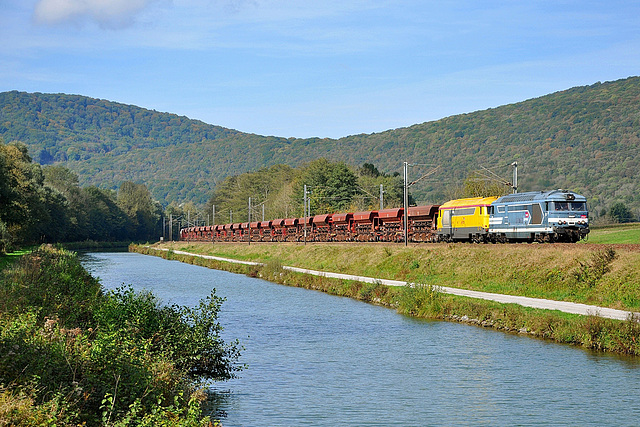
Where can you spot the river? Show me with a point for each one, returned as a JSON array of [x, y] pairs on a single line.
[[317, 359]]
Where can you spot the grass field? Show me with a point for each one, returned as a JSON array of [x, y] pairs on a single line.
[[615, 234]]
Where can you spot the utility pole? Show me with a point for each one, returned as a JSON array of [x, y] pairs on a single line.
[[381, 197], [515, 177], [304, 204], [405, 220], [249, 223], [188, 224], [171, 227], [213, 223]]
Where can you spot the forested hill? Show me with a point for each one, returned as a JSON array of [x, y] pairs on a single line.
[[586, 139]]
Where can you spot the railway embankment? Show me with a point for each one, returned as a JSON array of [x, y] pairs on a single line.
[[591, 275]]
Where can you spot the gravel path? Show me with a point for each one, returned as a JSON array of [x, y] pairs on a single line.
[[567, 307]]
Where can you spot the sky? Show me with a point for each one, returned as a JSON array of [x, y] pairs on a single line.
[[328, 68]]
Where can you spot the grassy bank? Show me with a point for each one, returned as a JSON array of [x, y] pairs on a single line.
[[602, 275], [607, 276], [72, 354]]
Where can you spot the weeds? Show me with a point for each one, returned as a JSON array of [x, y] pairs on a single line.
[[588, 274], [372, 292], [421, 301]]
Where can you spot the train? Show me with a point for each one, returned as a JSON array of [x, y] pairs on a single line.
[[537, 216]]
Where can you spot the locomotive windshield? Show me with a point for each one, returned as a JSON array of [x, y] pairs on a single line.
[[573, 206], [578, 206]]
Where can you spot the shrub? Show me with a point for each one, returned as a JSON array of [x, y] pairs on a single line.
[[118, 358], [588, 274], [54, 281]]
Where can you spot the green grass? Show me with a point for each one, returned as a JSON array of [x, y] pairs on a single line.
[[577, 273], [11, 258], [615, 234]]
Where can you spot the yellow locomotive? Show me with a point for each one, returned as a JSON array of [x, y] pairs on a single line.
[[465, 219]]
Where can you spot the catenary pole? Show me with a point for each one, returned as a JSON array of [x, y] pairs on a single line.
[[406, 202], [304, 203]]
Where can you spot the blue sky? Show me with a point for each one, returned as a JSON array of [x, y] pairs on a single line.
[[315, 68]]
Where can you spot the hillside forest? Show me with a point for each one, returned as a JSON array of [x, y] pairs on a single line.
[[585, 139]]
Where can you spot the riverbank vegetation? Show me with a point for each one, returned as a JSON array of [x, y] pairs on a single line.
[[603, 275], [72, 354], [47, 205]]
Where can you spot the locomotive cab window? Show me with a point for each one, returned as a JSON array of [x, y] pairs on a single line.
[[464, 211], [578, 206], [561, 206], [501, 209], [446, 218]]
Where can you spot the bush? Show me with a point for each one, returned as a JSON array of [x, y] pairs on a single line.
[[72, 354], [54, 282]]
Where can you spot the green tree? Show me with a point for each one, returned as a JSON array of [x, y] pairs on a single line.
[[619, 212], [477, 185], [23, 197], [108, 222], [332, 185], [65, 182], [270, 187], [369, 181], [368, 169], [144, 213]]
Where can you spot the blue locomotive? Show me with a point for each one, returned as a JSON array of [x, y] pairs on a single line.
[[542, 216]]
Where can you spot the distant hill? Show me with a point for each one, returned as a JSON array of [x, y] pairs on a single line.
[[586, 139]]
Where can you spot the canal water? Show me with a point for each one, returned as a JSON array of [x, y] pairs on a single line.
[[317, 359]]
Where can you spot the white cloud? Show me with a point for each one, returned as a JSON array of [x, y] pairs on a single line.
[[107, 13]]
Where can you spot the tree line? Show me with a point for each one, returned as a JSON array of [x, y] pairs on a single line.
[[46, 204]]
